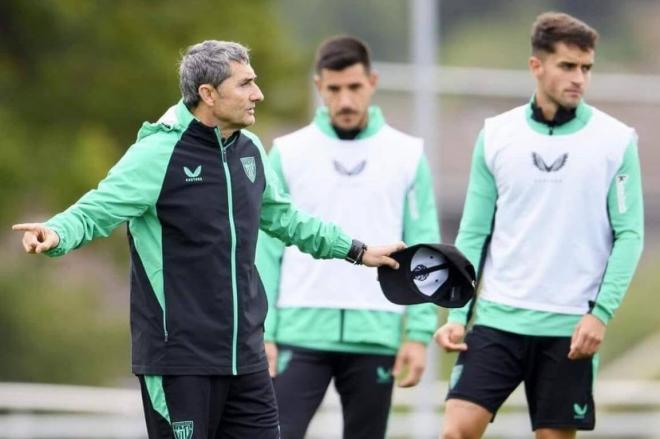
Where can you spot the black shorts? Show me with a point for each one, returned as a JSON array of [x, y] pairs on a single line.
[[363, 381], [210, 407], [559, 390]]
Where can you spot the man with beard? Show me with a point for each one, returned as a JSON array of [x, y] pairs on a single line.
[[554, 211], [325, 322]]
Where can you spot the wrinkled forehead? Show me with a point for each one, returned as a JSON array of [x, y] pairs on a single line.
[[241, 71]]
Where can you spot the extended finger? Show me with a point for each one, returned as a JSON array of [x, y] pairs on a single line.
[[26, 227]]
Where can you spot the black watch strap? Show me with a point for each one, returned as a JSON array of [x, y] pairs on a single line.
[[356, 252]]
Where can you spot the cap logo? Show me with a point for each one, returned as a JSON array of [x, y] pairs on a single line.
[[420, 272]]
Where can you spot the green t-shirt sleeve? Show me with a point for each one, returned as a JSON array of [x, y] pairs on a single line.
[[477, 220], [269, 258], [420, 225], [131, 187], [281, 220], [625, 206]]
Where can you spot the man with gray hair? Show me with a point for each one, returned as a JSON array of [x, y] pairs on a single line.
[[195, 189]]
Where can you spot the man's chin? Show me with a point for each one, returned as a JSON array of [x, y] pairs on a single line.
[[572, 102], [346, 125]]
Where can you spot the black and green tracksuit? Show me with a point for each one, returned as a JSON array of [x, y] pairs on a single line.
[[194, 204]]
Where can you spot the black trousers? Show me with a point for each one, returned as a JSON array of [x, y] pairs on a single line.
[[363, 381], [210, 407]]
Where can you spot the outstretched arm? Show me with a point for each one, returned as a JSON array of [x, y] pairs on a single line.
[[130, 187]]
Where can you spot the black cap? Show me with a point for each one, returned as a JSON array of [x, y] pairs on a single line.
[[437, 273]]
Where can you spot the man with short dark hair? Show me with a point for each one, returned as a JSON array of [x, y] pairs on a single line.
[[195, 189], [325, 322], [554, 212]]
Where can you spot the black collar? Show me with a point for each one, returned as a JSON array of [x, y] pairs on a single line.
[[346, 134], [562, 115], [231, 138]]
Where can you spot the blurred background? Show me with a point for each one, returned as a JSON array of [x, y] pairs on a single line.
[[78, 77]]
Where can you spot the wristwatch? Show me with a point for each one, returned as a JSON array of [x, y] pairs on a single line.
[[356, 252]]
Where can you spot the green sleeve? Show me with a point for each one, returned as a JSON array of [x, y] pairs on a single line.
[[281, 220], [420, 225], [130, 187], [269, 258], [626, 211], [477, 220]]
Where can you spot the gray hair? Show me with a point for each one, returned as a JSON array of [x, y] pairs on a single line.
[[207, 63]]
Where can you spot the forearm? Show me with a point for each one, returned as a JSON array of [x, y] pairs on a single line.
[[626, 213]]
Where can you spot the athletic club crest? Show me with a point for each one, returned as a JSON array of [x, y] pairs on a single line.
[[183, 429], [250, 167]]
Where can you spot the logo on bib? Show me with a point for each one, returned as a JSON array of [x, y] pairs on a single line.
[[554, 167], [355, 170]]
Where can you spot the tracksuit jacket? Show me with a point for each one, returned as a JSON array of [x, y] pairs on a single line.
[[194, 203]]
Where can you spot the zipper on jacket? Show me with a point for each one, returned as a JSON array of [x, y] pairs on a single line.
[[165, 326], [232, 229]]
